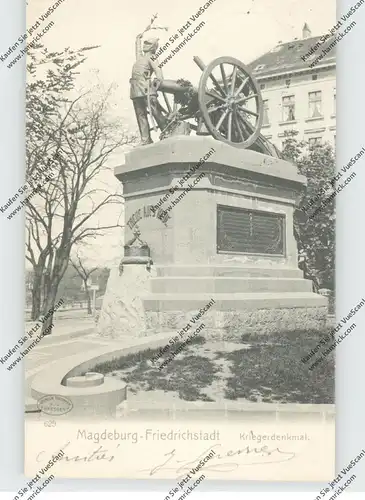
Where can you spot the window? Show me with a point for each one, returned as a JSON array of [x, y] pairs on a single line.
[[262, 86], [288, 105], [314, 77], [266, 120], [315, 104], [241, 230], [314, 141], [287, 82]]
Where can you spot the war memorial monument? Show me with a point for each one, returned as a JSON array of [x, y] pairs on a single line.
[[209, 215], [206, 316]]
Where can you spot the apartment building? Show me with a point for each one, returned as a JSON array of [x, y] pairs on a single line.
[[296, 96]]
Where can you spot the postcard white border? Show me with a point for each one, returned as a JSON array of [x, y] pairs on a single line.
[[350, 285]]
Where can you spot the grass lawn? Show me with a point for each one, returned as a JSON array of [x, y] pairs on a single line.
[[257, 369]]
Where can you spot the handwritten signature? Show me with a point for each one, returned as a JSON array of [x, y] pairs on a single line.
[[258, 456], [275, 454], [99, 453]]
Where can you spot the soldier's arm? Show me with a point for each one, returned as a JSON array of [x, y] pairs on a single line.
[[139, 51], [157, 71]]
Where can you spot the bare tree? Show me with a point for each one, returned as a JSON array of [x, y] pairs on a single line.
[[69, 202], [51, 77], [85, 273]]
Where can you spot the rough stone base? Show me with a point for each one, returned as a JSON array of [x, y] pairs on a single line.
[[122, 313], [133, 308], [231, 325]]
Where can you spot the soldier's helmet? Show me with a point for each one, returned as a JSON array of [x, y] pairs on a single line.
[[150, 45]]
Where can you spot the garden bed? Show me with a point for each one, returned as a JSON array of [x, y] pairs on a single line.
[[257, 369]]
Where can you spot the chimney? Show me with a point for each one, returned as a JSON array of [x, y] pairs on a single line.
[[306, 32]]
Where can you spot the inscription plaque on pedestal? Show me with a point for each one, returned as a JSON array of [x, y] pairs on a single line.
[[240, 230]]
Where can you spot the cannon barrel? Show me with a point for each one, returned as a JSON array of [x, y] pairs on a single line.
[[172, 87], [199, 62]]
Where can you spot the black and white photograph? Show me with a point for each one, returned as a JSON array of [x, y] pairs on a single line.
[[180, 213]]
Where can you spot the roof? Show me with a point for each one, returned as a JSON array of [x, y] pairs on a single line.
[[287, 57]]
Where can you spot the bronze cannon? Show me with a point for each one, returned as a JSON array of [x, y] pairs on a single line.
[[227, 105]]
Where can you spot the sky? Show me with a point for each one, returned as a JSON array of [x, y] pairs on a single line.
[[244, 29]]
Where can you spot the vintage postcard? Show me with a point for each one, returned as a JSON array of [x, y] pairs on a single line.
[[180, 200]]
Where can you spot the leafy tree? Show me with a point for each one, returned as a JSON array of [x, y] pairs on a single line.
[[314, 219]]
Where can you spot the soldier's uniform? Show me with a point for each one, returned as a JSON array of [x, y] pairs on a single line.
[[141, 84]]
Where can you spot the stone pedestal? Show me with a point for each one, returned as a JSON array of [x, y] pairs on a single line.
[[123, 313], [252, 292]]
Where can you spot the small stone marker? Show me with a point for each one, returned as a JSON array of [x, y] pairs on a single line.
[[90, 379]]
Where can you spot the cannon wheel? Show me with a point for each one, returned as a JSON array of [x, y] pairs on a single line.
[[230, 102]]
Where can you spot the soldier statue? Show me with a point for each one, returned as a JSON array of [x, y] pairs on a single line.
[[227, 108], [143, 90]]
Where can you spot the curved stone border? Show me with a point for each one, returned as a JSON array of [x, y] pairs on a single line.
[[103, 400]]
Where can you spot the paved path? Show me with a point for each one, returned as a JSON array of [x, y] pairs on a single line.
[[64, 327], [43, 354], [68, 338]]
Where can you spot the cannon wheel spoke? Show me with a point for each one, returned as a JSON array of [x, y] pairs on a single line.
[[229, 133], [215, 108], [236, 122], [224, 78], [245, 98], [167, 102], [242, 86], [233, 82], [221, 119], [246, 110], [251, 96], [248, 128], [211, 93], [217, 85], [232, 124]]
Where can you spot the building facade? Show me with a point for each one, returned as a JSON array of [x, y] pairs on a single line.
[[295, 95]]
